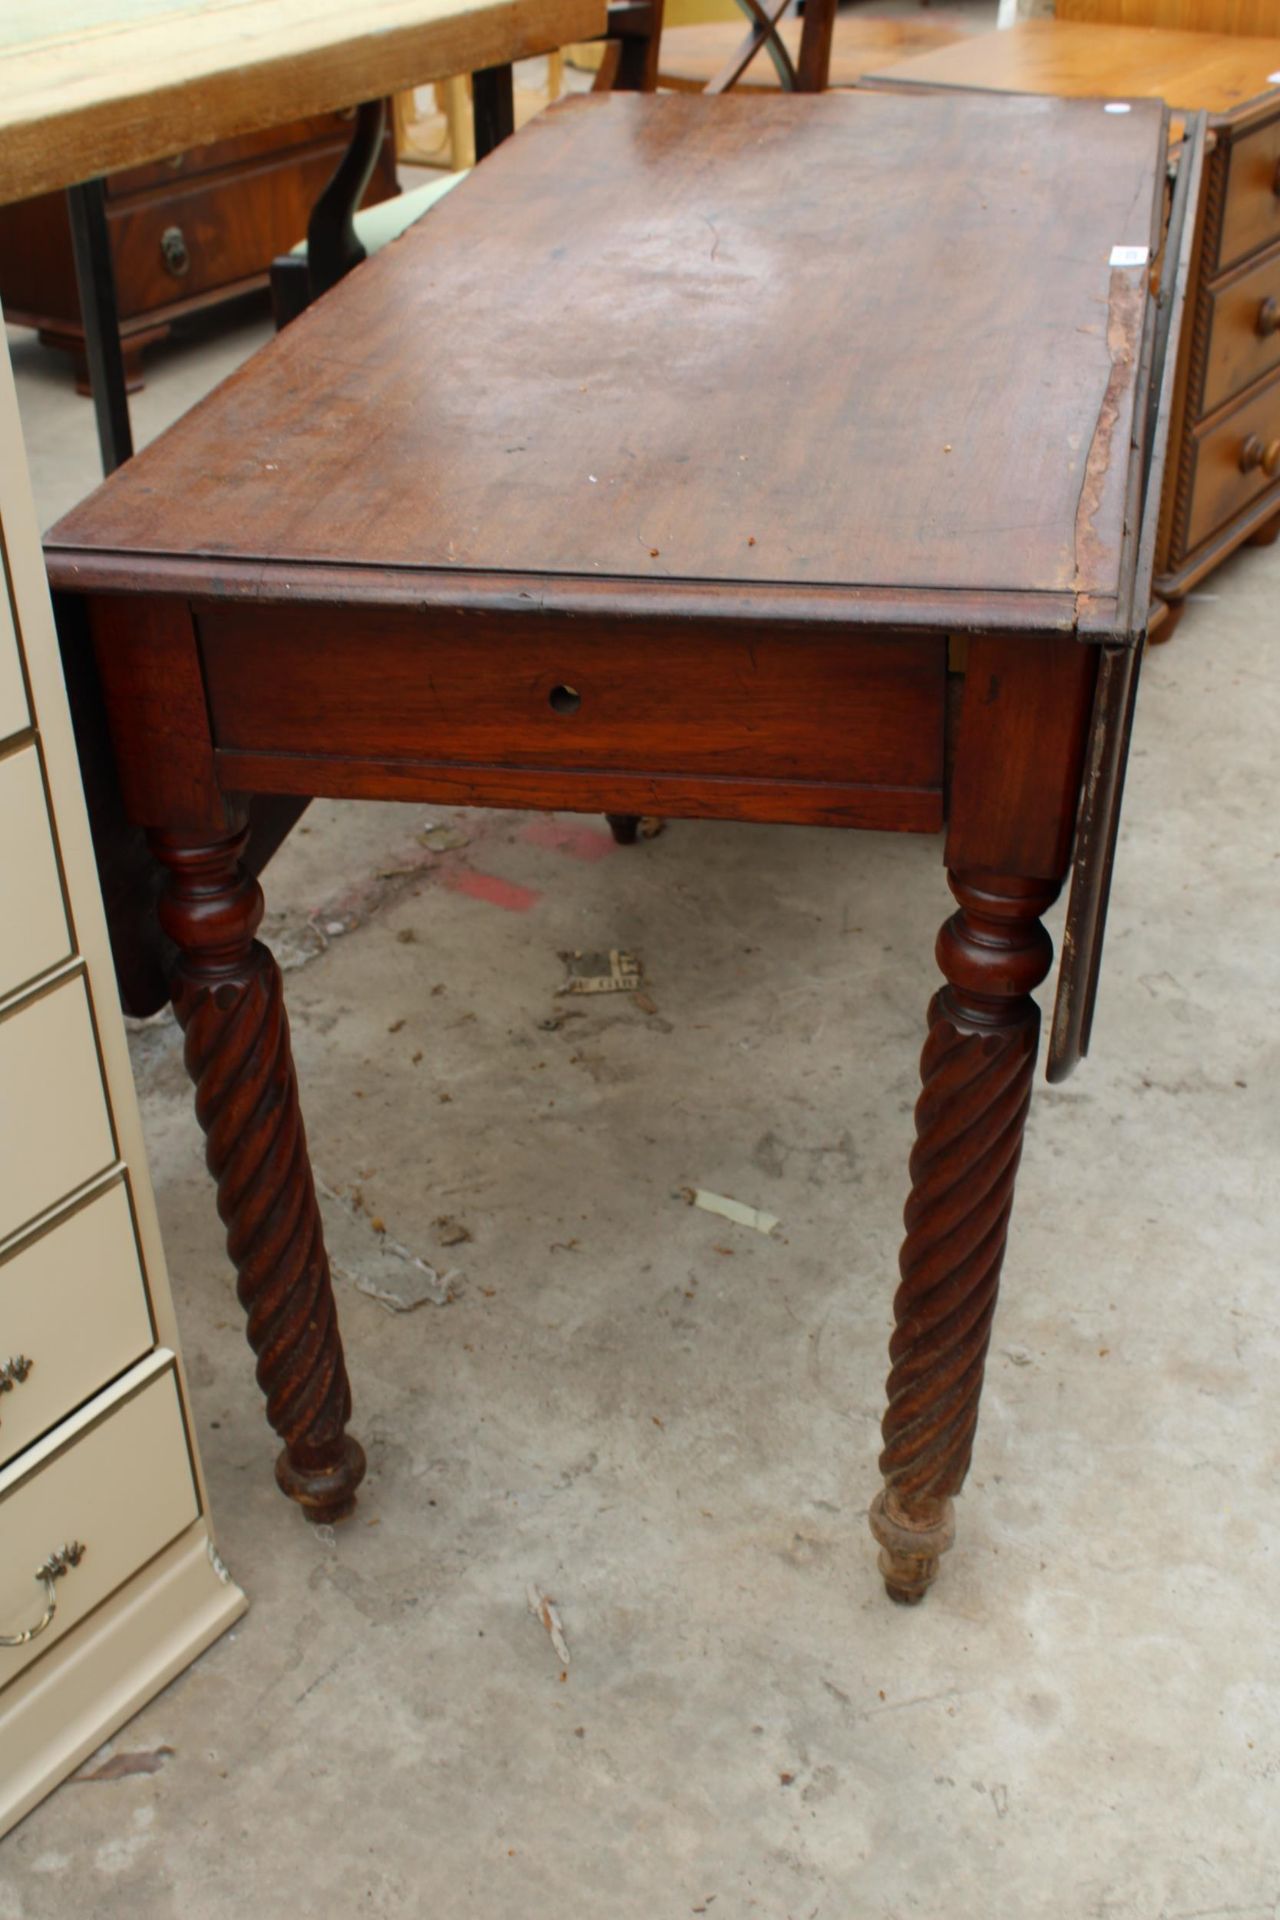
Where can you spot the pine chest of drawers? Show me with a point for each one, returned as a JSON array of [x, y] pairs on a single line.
[[186, 232]]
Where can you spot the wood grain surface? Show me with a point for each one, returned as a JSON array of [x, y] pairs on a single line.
[[691, 56], [101, 84], [859, 340], [1213, 71], [1191, 16]]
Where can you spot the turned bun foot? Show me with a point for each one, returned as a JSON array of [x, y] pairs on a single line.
[[325, 1493], [910, 1546], [1164, 621]]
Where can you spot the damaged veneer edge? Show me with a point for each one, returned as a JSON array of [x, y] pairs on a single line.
[[1107, 746]]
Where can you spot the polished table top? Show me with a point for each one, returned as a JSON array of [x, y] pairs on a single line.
[[860, 343], [91, 85]]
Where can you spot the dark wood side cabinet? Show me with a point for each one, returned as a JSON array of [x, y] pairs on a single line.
[[1223, 481], [186, 232]]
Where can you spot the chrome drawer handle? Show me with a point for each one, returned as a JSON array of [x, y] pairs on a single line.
[[1269, 316], [1254, 454], [54, 1568]]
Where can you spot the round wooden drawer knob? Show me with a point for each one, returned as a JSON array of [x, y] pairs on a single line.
[[1269, 316], [1255, 454]]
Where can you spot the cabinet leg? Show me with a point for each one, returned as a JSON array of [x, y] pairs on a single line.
[[976, 1073], [624, 827], [229, 1001], [1267, 534], [1166, 626]]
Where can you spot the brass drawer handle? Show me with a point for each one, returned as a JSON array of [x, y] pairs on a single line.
[[173, 250], [53, 1569], [14, 1372], [1254, 454], [1269, 316]]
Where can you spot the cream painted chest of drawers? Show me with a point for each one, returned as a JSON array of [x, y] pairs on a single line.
[[109, 1582]]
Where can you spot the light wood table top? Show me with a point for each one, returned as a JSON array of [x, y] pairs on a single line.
[[90, 85], [1213, 71]]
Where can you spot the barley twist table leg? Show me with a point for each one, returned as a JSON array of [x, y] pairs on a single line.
[[976, 1073], [229, 1001]]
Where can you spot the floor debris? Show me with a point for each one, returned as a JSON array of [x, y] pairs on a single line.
[[371, 1261], [543, 1608], [444, 839], [121, 1765], [611, 972], [726, 1209], [451, 1232]]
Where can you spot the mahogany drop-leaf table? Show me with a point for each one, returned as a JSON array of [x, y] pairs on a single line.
[[776, 459]]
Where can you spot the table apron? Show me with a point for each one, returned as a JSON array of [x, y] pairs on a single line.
[[760, 724]]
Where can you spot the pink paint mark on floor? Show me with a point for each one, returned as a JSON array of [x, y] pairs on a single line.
[[580, 843], [488, 887]]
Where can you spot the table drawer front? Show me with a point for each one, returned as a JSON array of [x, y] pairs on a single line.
[[122, 1489], [1251, 218], [772, 703], [1237, 461], [328, 129], [73, 1315], [217, 231], [55, 1130], [1244, 332], [34, 935]]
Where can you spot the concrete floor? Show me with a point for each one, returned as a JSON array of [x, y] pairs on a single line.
[[669, 1423]]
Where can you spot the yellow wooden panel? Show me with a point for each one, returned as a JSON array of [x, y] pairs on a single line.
[[122, 1489], [72, 1306], [34, 935], [55, 1134]]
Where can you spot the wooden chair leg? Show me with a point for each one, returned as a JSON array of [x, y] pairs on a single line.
[[976, 1073], [229, 1001], [456, 100]]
